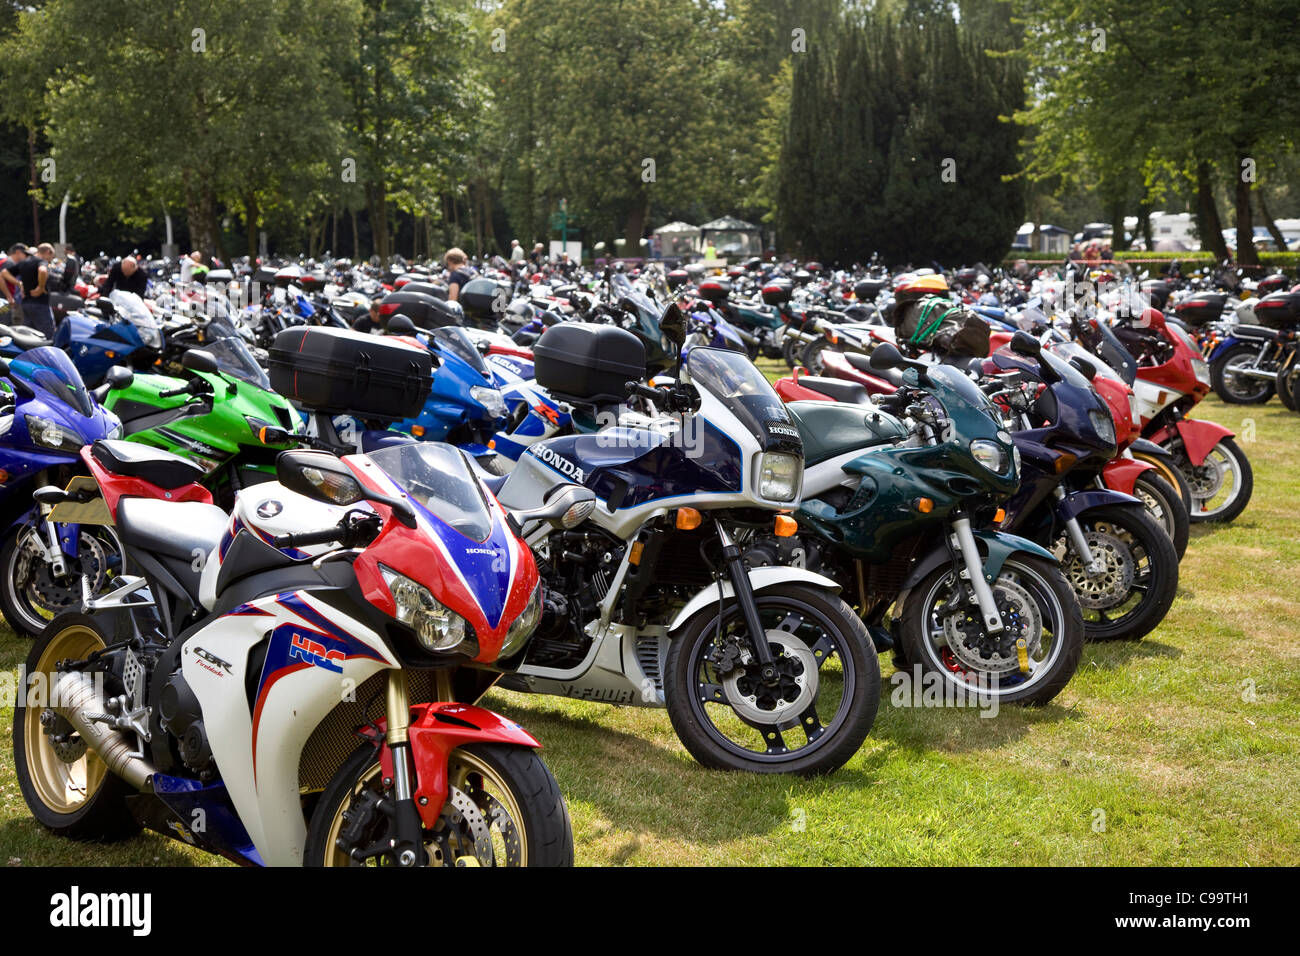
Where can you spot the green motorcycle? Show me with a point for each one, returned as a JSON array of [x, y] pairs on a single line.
[[224, 416], [893, 496]]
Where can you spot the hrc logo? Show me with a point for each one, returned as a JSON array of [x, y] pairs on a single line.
[[309, 651]]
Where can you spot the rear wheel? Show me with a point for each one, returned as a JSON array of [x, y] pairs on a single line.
[[944, 634], [809, 720], [1221, 485], [67, 787], [1134, 587], [1232, 385], [503, 809], [811, 356]]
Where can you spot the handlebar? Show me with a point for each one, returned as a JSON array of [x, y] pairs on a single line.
[[308, 538]]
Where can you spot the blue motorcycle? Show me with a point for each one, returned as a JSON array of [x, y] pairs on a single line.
[[124, 332], [47, 415]]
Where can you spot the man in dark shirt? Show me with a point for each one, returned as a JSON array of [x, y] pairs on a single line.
[[126, 275], [33, 272], [71, 268], [371, 321]]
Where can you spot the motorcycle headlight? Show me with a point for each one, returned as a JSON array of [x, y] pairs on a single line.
[[524, 624], [1103, 424], [490, 398], [992, 455], [778, 476], [437, 627], [1202, 370], [50, 434], [150, 336]]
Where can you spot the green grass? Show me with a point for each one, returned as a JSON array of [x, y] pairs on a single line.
[[1160, 736]]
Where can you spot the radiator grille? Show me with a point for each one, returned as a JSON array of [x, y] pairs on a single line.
[[333, 739], [649, 660]]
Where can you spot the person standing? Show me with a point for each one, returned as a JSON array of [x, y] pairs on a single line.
[[516, 252], [34, 272], [12, 288], [71, 268], [126, 275], [458, 272]]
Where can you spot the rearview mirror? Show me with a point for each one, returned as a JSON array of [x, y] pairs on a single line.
[[197, 360], [1084, 367], [673, 325], [885, 356], [567, 507], [119, 377], [401, 325], [318, 475], [1024, 344]]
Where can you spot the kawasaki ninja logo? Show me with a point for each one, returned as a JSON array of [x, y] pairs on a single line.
[[559, 463]]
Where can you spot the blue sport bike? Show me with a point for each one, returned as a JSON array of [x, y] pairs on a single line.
[[47, 415]]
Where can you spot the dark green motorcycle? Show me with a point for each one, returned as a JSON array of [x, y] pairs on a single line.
[[893, 496]]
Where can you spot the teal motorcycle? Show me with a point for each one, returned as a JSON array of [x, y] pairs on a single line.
[[896, 499]]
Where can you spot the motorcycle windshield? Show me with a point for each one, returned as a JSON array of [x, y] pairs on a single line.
[[958, 383], [1069, 350], [734, 379], [131, 307], [437, 478], [456, 341], [52, 370], [234, 358]]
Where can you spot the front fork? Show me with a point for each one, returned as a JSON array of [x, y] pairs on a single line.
[[410, 831], [1091, 563], [738, 574], [963, 540]]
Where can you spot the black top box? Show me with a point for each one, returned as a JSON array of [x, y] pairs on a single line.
[[1281, 310], [589, 363], [1202, 308], [344, 372]]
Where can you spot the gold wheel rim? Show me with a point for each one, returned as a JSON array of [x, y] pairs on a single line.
[[472, 775], [62, 786]]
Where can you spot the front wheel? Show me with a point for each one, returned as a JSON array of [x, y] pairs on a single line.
[[503, 808], [943, 633], [811, 357], [809, 720], [1234, 387], [1165, 505], [32, 595], [1136, 579], [1221, 485]]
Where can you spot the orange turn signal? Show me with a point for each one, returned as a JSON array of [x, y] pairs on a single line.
[[635, 556], [417, 431], [1064, 462], [688, 519], [785, 526], [924, 505], [1000, 515]]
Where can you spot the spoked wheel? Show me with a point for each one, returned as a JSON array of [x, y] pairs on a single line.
[[32, 595], [942, 631], [1221, 485], [503, 809], [811, 357], [1135, 582], [67, 787], [809, 719], [1232, 384], [1165, 506]]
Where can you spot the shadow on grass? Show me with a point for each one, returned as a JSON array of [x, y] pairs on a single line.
[[640, 786], [918, 730], [1112, 655], [26, 840]]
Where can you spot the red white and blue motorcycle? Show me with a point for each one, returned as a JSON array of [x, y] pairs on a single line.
[[294, 683]]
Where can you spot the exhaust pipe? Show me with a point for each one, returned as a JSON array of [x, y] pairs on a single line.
[[1251, 372], [74, 691]]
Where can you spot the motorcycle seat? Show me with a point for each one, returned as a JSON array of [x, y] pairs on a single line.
[[176, 529], [837, 389], [24, 336], [154, 465], [829, 429], [863, 364], [1253, 332]]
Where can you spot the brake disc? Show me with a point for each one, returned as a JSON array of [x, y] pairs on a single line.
[[1021, 617], [1110, 587], [463, 837], [796, 686], [1204, 480]]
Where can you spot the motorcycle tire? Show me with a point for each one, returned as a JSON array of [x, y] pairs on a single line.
[[811, 357], [1135, 548], [725, 734], [521, 819], [72, 794], [1165, 504], [1230, 453], [1235, 390], [1024, 578]]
